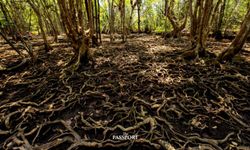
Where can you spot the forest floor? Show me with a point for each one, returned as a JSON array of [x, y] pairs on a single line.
[[141, 88]]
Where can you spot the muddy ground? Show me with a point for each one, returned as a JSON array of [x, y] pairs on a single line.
[[141, 87]]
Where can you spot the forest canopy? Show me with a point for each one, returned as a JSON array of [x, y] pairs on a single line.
[[152, 14]]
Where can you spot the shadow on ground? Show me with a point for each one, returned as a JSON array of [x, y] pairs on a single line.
[[135, 88]]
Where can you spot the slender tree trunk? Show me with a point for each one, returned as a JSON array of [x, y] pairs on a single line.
[[238, 42], [52, 23], [228, 21], [40, 23], [218, 23], [72, 18], [193, 21], [89, 10], [98, 22], [122, 7], [111, 19], [30, 15], [57, 15], [201, 18], [12, 45], [14, 29], [139, 15], [177, 28], [18, 15], [6, 16], [131, 14], [203, 26]]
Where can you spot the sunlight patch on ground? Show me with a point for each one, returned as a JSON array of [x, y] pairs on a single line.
[[160, 73], [126, 59], [60, 63], [159, 49], [102, 60]]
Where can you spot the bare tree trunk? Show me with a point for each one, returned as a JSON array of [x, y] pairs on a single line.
[[62, 27], [14, 29], [89, 10], [52, 23], [98, 22], [131, 14], [72, 19], [177, 28], [218, 23], [193, 21], [12, 45], [111, 19], [30, 15], [228, 21], [6, 16], [18, 15], [40, 22], [139, 15], [122, 10], [14, 14], [238, 42], [203, 26], [96, 18], [200, 19]]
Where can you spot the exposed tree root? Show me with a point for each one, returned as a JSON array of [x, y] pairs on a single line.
[[133, 89], [22, 64]]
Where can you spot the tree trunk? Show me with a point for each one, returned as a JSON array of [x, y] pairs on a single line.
[[139, 15], [14, 31], [12, 45], [176, 27], [111, 19], [131, 14], [238, 42], [200, 20], [18, 16], [218, 23], [72, 19], [193, 21], [6, 16], [122, 10], [169, 13], [50, 21], [62, 27], [89, 10], [99, 22], [96, 17], [40, 23]]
